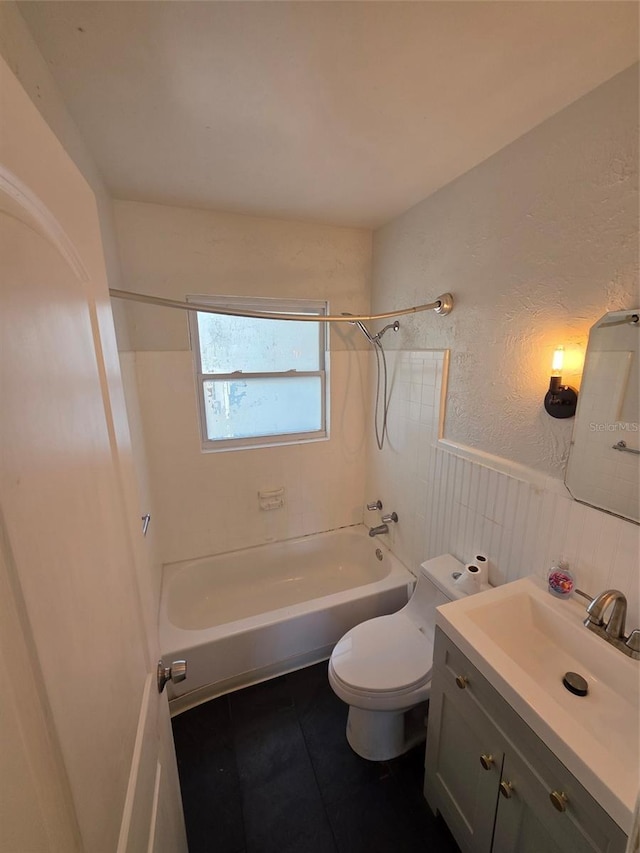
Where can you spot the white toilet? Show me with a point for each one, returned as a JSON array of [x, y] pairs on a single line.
[[382, 667]]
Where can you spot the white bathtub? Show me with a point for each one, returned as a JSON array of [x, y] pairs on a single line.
[[245, 616]]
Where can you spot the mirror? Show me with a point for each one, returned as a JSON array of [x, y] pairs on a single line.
[[604, 460]]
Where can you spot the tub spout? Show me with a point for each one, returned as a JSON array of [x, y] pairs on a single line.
[[376, 531]]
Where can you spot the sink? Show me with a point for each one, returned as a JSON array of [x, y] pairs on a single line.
[[545, 645], [524, 640]]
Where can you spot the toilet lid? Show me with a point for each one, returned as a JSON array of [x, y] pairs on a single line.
[[386, 654]]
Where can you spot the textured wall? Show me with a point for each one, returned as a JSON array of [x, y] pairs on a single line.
[[536, 243]]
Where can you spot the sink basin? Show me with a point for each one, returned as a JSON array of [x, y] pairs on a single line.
[[545, 645], [524, 640]]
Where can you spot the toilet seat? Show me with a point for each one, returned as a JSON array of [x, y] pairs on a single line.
[[383, 656]]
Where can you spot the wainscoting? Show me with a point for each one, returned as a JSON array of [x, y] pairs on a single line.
[[459, 500]]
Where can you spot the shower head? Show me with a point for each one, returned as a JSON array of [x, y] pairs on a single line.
[[365, 331], [373, 339], [361, 326], [395, 326]]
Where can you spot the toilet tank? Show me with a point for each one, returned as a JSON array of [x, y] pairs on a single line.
[[435, 586]]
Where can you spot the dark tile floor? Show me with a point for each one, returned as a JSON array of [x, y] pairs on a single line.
[[268, 770]]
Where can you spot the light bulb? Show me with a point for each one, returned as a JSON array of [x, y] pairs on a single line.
[[560, 400], [558, 361]]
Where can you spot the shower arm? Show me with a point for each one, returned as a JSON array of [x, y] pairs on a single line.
[[442, 305]]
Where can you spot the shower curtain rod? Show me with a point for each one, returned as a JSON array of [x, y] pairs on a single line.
[[630, 320], [442, 305]]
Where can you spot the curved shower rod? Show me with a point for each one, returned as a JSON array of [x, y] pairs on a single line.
[[442, 305]]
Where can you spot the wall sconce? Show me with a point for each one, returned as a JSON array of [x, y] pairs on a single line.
[[560, 400]]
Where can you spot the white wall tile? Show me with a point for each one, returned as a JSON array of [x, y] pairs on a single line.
[[207, 503]]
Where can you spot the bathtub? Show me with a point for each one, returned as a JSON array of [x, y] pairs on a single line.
[[242, 617]]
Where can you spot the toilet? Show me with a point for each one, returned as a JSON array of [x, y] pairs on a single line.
[[382, 667]]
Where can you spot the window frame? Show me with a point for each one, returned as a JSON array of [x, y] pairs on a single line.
[[269, 305]]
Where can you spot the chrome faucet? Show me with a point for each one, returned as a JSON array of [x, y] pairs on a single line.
[[613, 630], [384, 527], [597, 608]]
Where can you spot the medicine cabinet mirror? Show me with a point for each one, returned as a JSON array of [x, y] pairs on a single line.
[[604, 460]]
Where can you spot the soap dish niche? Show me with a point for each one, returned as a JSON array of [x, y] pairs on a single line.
[[271, 498]]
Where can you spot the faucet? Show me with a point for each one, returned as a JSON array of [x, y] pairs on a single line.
[[595, 611], [613, 631], [384, 527]]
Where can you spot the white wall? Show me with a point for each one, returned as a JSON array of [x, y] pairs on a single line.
[[397, 475], [536, 244], [23, 57], [76, 583], [207, 503], [25, 60], [464, 505]]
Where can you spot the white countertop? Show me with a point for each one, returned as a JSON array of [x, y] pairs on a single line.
[[523, 640]]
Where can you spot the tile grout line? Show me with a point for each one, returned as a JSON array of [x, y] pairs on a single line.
[[235, 761], [315, 775]]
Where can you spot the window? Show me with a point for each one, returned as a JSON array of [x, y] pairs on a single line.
[[260, 382]]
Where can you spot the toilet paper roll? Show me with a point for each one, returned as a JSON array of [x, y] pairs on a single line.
[[469, 580], [482, 562]]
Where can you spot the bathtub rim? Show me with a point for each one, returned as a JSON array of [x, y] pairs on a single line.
[[170, 570], [361, 529], [178, 642]]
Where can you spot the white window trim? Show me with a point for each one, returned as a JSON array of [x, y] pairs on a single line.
[[293, 306]]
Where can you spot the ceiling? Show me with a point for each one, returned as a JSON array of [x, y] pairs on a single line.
[[340, 112]]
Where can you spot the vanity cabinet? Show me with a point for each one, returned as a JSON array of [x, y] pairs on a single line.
[[495, 783]]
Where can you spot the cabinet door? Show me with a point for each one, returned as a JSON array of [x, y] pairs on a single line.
[[463, 764], [527, 822]]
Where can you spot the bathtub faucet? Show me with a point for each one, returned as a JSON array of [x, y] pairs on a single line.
[[384, 527]]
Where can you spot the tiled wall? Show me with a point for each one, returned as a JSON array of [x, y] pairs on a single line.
[[398, 474], [449, 501], [207, 503]]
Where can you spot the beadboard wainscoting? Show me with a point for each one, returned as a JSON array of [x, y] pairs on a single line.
[[524, 528], [454, 499]]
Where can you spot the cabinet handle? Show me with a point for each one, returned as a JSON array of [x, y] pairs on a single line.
[[506, 789], [462, 681], [559, 800], [487, 761]]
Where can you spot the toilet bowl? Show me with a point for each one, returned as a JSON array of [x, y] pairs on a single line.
[[382, 667]]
